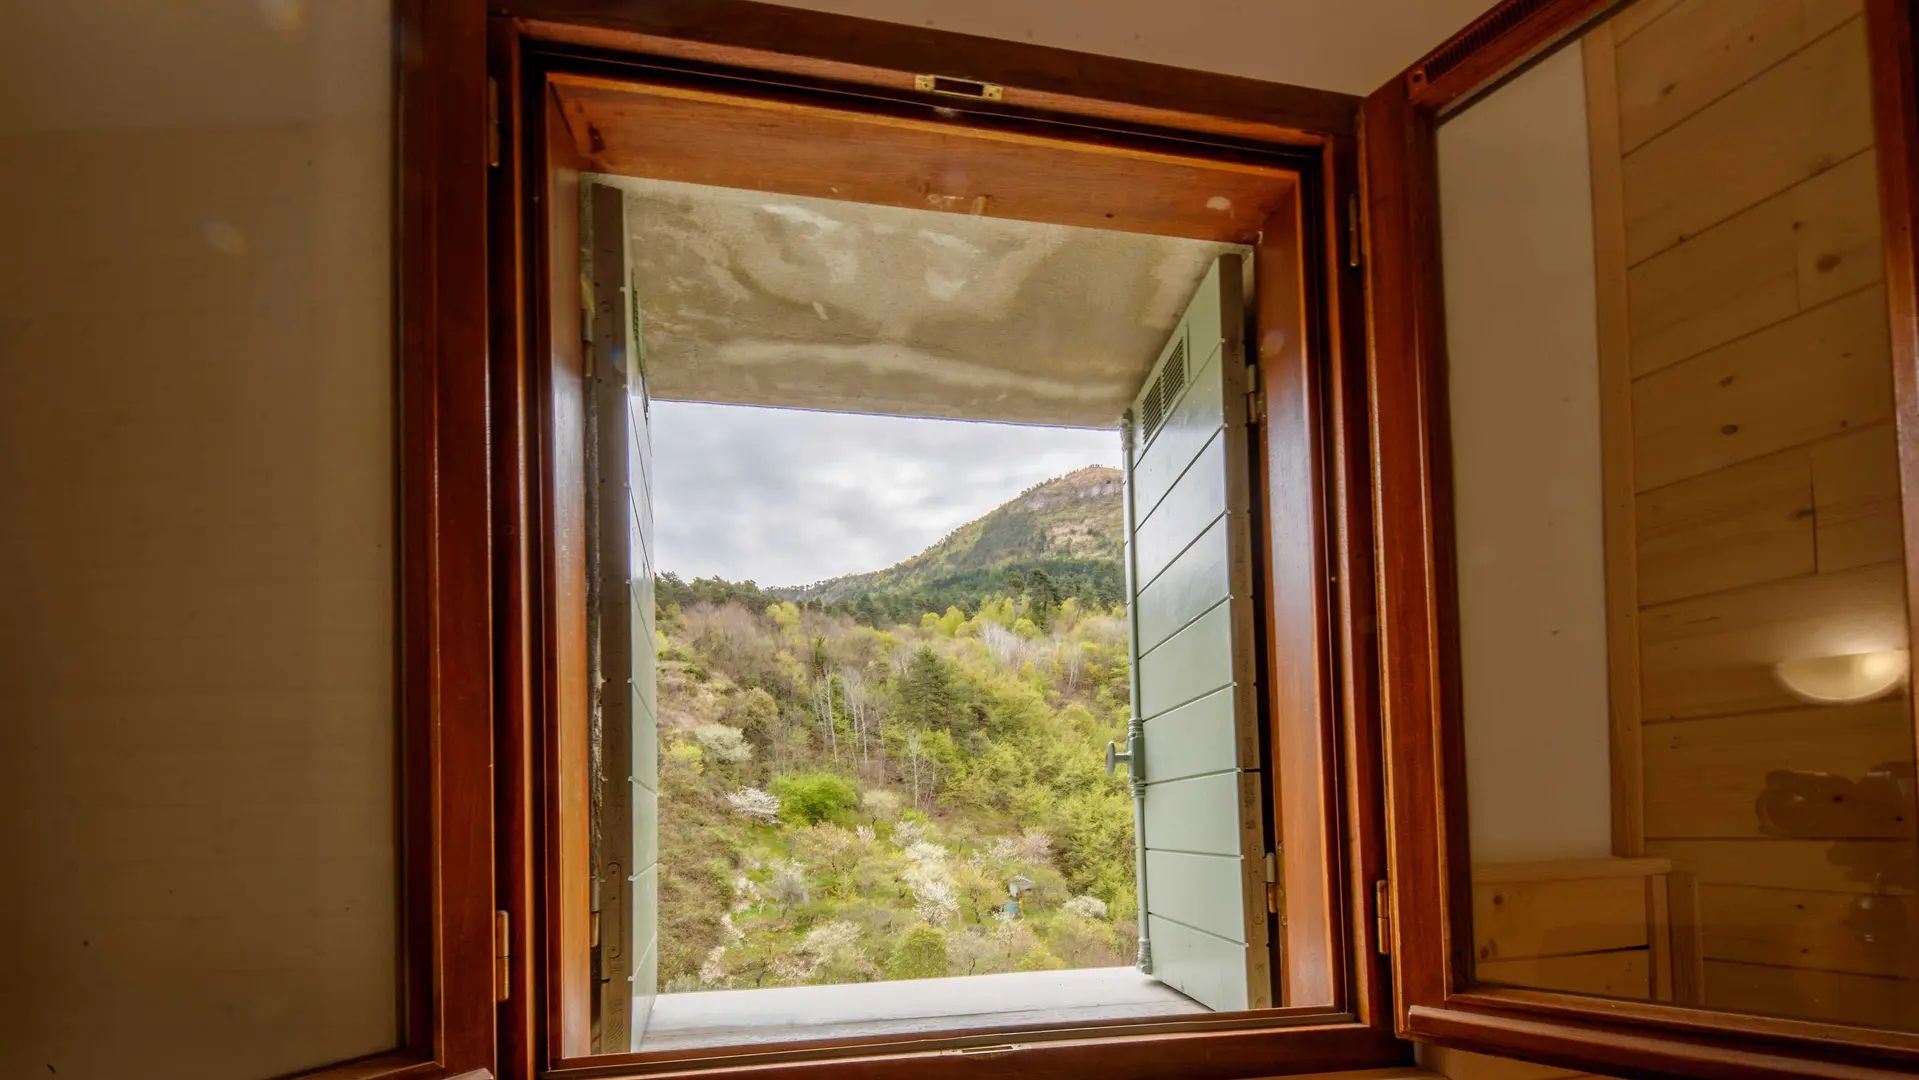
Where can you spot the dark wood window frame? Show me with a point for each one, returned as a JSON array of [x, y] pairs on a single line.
[[1430, 898], [1313, 390]]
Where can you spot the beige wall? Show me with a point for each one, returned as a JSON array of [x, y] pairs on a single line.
[[196, 541], [1522, 345]]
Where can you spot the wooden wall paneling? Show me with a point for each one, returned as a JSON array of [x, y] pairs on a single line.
[[1703, 776], [1465, 1065], [1781, 864], [1527, 920], [1614, 327], [1659, 934], [1704, 49], [1297, 618], [1855, 499], [1753, 143], [1820, 373], [1688, 948], [1792, 928], [1620, 974], [1743, 525], [1837, 996]]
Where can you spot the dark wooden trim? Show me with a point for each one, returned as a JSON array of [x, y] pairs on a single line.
[[1892, 40], [1416, 598], [1114, 1055], [770, 40], [1301, 708], [1494, 46], [446, 578]]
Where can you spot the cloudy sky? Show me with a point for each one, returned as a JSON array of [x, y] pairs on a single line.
[[785, 497]]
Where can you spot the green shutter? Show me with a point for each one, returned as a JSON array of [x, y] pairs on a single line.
[[1197, 761], [620, 633]]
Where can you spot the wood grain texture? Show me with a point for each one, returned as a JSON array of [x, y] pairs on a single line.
[[1703, 777], [1705, 49], [700, 136], [1838, 996], [1744, 525], [1558, 918], [1821, 373], [1791, 122], [1713, 655], [1613, 322], [1794, 928], [1855, 493], [1297, 619], [446, 571], [1621, 974], [1783, 864]]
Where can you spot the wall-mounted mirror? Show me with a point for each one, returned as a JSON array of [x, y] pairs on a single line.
[[1683, 642]]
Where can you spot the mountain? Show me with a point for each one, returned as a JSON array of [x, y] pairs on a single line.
[[1069, 528]]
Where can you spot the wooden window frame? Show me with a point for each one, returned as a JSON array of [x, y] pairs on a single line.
[[1418, 616], [1317, 518]]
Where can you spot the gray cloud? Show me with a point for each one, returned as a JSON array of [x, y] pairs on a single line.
[[786, 497]]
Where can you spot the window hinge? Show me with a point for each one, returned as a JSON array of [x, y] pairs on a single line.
[[1383, 917], [492, 122], [1255, 396], [1273, 892], [1352, 230], [502, 954]]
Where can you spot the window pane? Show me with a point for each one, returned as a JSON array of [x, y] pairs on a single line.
[[1682, 611]]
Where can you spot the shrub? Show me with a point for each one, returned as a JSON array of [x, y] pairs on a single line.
[[810, 798], [920, 954], [723, 744], [1039, 958]]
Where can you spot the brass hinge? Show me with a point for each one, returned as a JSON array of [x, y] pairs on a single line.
[[1255, 396], [1273, 892], [1352, 230], [1383, 917], [502, 955], [492, 122]]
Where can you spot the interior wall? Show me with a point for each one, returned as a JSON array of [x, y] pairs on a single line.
[[1516, 234], [1352, 46], [196, 537]]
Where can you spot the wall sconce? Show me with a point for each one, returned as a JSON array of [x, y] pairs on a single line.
[[1844, 680]]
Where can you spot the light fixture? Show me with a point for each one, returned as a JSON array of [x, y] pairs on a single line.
[[1844, 680]]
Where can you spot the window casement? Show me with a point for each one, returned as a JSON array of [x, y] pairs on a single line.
[[1651, 805], [1355, 500], [585, 92]]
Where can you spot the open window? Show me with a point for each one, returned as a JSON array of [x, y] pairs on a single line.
[[1645, 540], [1240, 422]]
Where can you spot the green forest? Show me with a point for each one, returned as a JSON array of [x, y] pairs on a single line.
[[849, 796]]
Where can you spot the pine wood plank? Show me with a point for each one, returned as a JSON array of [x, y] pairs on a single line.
[[1812, 995], [1739, 276], [1743, 525], [1704, 49], [1567, 870], [1855, 489], [1704, 777], [1793, 121], [1836, 215], [1820, 373], [1613, 324], [1714, 655], [1609, 974], [1784, 864], [1633, 18], [1522, 920], [1794, 928]]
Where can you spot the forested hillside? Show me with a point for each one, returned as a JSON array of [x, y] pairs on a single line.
[[845, 802], [1067, 530]]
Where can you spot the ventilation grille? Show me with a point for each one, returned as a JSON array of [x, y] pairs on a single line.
[[1478, 36], [1164, 391]]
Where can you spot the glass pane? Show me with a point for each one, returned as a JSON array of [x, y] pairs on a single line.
[[1682, 609]]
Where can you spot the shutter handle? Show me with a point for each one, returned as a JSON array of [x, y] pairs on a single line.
[[1115, 757]]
